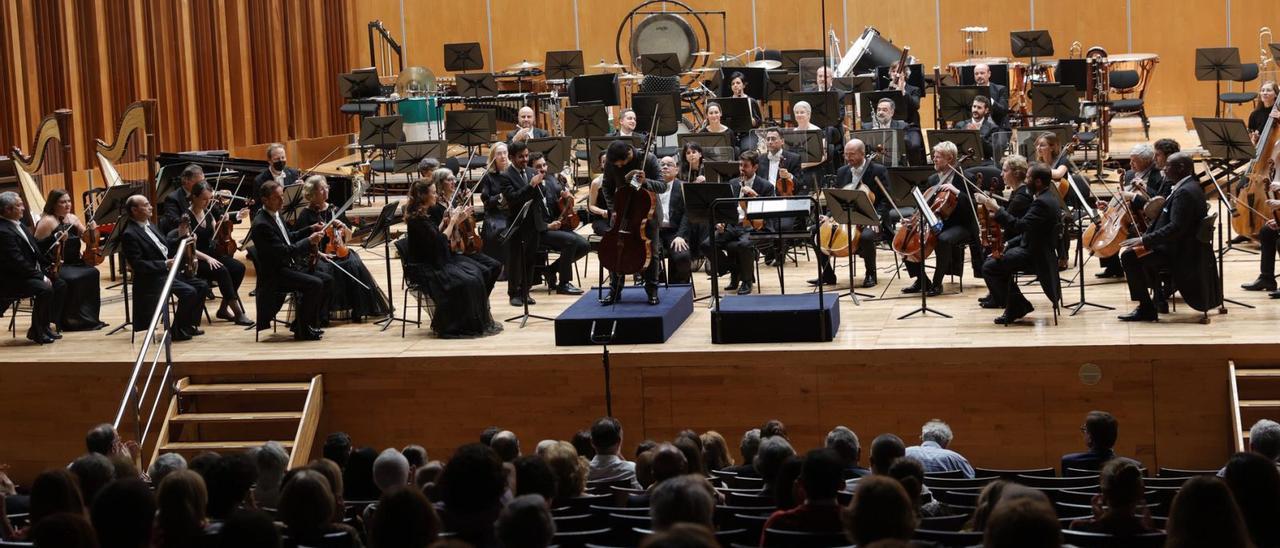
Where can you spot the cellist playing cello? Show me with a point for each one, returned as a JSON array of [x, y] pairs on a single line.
[[859, 172], [624, 163]]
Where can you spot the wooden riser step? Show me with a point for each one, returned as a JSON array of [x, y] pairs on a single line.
[[263, 416], [247, 388], [217, 446]]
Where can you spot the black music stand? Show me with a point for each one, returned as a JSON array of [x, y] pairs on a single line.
[[1031, 43], [824, 106], [564, 65], [463, 57], [1217, 64], [294, 202], [469, 127], [807, 143], [527, 279], [1086, 211], [791, 58], [382, 133], [660, 64], [594, 89], [477, 85], [698, 199], [854, 84], [922, 205], [955, 102], [557, 151], [719, 172], [381, 235], [585, 121], [359, 84], [781, 84], [598, 145], [409, 155], [903, 181], [735, 113], [867, 104], [890, 141], [666, 106], [704, 140], [756, 79], [1057, 102], [1230, 147], [851, 208], [968, 142], [112, 206]]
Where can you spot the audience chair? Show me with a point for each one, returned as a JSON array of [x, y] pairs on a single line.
[[580, 539], [944, 523], [579, 522], [1091, 540], [1058, 483], [949, 538], [935, 482], [804, 539]]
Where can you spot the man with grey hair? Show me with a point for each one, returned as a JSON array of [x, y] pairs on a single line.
[[165, 464], [932, 452], [21, 272], [683, 499], [150, 253], [1144, 176], [748, 447], [272, 461], [506, 445], [390, 469], [675, 231], [774, 451], [845, 443], [1264, 439]]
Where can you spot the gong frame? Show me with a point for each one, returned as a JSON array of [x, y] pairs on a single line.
[[629, 23]]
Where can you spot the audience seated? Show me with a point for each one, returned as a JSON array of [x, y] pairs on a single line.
[[526, 523], [821, 476], [506, 445], [686, 498], [910, 473], [123, 514], [307, 512], [417, 457], [1116, 508], [534, 477], [844, 442], [1100, 433], [404, 518], [272, 462], [569, 469], [486, 435], [987, 500], [935, 437], [337, 448], [1205, 515], [93, 471], [880, 509], [1264, 439], [885, 449], [471, 489], [692, 454], [333, 475], [774, 451], [715, 451], [644, 468], [180, 510], [748, 447], [429, 473], [1255, 485], [1023, 518], [787, 492], [104, 440], [65, 530], [682, 535], [582, 442], [774, 428], [357, 475], [165, 464], [248, 529], [606, 441], [229, 484], [390, 470]]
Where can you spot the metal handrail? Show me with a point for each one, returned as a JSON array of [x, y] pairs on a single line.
[[131, 392]]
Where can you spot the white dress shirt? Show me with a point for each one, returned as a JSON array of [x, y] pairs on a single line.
[[664, 203], [17, 225], [146, 227], [276, 215], [775, 162]]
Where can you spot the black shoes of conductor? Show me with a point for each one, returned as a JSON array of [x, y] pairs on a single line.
[[1263, 283]]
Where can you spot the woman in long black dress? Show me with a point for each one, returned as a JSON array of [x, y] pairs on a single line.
[[213, 266], [80, 313], [459, 284], [350, 300]]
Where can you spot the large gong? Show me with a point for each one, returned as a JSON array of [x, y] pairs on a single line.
[[662, 26]]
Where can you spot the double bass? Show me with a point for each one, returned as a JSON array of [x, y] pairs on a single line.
[[1248, 220], [625, 248]]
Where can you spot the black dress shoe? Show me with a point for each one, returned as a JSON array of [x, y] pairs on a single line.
[[195, 331], [652, 293], [869, 280], [39, 338], [826, 280], [180, 335], [935, 290], [1110, 273], [610, 298], [1239, 239], [984, 298], [1274, 294], [914, 288], [1014, 315], [744, 288], [307, 335], [1162, 307], [1263, 283], [990, 305], [1140, 314], [733, 286], [242, 320], [568, 289], [54, 335], [530, 301], [517, 302]]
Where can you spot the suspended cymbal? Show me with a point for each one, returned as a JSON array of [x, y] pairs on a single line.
[[524, 65], [705, 69], [767, 64], [630, 76], [974, 29], [702, 54], [415, 81], [607, 66]]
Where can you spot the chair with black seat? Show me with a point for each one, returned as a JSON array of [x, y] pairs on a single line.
[[953, 497], [944, 523], [730, 537], [724, 513], [745, 482], [1091, 540], [1248, 73], [753, 523], [411, 288], [1185, 474], [582, 504], [605, 486], [804, 539], [579, 522], [16, 307], [580, 539], [1012, 474], [287, 300], [623, 523], [16, 543], [1058, 483], [935, 482], [948, 538], [1125, 82], [946, 474], [336, 539], [739, 498]]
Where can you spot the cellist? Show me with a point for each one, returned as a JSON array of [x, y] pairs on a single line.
[[861, 173], [957, 229], [1033, 249], [622, 162]]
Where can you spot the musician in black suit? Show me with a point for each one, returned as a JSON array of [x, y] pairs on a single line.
[[998, 94], [777, 162], [1164, 148], [569, 244], [737, 253], [670, 208], [1171, 240], [911, 138], [277, 170], [178, 201], [624, 164], [525, 128], [957, 229], [281, 256], [860, 172], [1142, 176], [1035, 248], [521, 189], [150, 255], [22, 273], [980, 121]]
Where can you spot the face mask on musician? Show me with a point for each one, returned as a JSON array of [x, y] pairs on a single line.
[[278, 165]]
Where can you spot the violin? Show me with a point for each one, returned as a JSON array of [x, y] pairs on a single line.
[[990, 233], [1063, 184], [56, 252], [568, 215], [757, 224], [191, 263], [785, 186], [91, 255], [465, 239], [338, 235]]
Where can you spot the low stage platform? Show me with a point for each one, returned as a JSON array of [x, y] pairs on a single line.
[[1014, 395], [632, 320]]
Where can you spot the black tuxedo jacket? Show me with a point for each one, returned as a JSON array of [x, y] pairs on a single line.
[[18, 261], [517, 191], [675, 207], [762, 187], [144, 257], [1174, 231], [274, 253], [172, 208], [790, 162], [999, 96], [290, 177], [538, 133], [874, 172], [1037, 232], [614, 177]]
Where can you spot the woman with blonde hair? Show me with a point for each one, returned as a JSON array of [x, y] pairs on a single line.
[[715, 451], [570, 471], [496, 215], [349, 300]]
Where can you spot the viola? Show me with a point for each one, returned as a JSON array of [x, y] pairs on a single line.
[[990, 233], [223, 243], [465, 239], [568, 214], [337, 245], [787, 186]]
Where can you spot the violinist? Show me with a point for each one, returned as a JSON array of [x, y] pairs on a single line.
[[1033, 250], [1266, 110], [178, 201], [150, 255], [778, 163], [737, 254], [22, 274], [569, 244], [348, 299], [441, 216], [1170, 243], [277, 170], [957, 229], [859, 172], [80, 311], [496, 210], [1143, 174], [738, 89], [1013, 174], [980, 121], [214, 266], [674, 242], [1048, 151], [282, 265], [624, 163]]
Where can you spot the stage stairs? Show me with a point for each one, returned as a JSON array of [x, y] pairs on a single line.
[[1255, 394], [232, 417]]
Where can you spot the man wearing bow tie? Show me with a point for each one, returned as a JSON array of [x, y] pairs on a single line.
[[150, 255]]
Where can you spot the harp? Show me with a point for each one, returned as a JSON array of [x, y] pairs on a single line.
[[50, 164], [130, 158]]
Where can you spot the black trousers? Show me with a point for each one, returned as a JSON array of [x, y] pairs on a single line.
[[228, 277], [1112, 263], [998, 275], [679, 263], [520, 260], [1142, 274], [188, 291], [950, 242], [649, 275], [866, 249], [1267, 262], [48, 296], [571, 247], [735, 254], [315, 288]]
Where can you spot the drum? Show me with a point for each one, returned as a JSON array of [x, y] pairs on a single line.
[[664, 33], [866, 53], [1144, 63], [413, 110]]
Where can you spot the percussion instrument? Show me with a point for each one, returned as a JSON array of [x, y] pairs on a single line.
[[767, 64], [665, 33], [869, 51], [415, 81]]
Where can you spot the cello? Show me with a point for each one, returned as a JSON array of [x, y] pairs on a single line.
[[915, 240], [1248, 221], [625, 248]]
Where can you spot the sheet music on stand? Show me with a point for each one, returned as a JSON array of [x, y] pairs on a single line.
[[757, 209], [923, 205], [1083, 203]]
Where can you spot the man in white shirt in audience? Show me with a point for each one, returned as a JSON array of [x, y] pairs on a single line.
[[932, 452], [606, 437]]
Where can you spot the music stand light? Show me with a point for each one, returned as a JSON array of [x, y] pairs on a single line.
[[585, 121], [667, 106], [1057, 102], [556, 150], [471, 127], [564, 65], [480, 84], [824, 106], [967, 141], [409, 155], [1217, 64], [954, 102], [660, 64], [463, 57]]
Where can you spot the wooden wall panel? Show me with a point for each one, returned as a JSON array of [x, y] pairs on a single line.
[[1247, 17], [524, 34], [1090, 22], [1174, 32], [1009, 17]]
